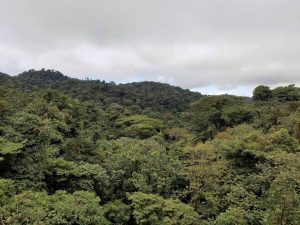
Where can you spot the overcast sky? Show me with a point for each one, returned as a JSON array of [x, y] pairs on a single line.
[[214, 46]]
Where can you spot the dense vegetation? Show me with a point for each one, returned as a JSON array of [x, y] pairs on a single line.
[[140, 97], [90, 152]]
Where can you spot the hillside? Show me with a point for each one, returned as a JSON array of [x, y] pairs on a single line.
[[146, 97], [4, 77], [90, 152]]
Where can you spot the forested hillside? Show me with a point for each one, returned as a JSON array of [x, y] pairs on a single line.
[[91, 152], [141, 97]]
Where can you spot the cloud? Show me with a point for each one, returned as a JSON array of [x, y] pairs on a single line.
[[215, 46]]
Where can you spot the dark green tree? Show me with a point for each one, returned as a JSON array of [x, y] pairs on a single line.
[[262, 93]]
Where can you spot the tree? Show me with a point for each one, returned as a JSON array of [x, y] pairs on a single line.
[[211, 114], [233, 216], [72, 176], [9, 148], [208, 175], [262, 93], [153, 209], [282, 200], [225, 160], [243, 146], [143, 165], [7, 190], [117, 212], [139, 126], [288, 93], [60, 208]]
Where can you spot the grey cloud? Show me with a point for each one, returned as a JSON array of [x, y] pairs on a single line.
[[231, 45]]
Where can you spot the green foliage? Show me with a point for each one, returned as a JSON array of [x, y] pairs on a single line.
[[9, 148], [239, 197], [149, 157], [292, 122], [233, 216], [140, 97], [7, 190], [59, 208], [287, 93], [139, 126], [262, 93], [117, 212], [143, 165], [243, 147], [3, 106], [153, 209], [209, 176], [79, 149], [283, 199], [282, 140], [180, 141], [211, 114], [71, 176]]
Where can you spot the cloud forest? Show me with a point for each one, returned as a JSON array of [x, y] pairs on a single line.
[[93, 152]]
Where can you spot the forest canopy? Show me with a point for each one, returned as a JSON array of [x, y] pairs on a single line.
[[94, 152]]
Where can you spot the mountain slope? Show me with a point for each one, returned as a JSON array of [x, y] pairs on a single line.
[[139, 96], [3, 77]]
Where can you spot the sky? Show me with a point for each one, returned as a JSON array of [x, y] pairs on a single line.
[[211, 46]]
